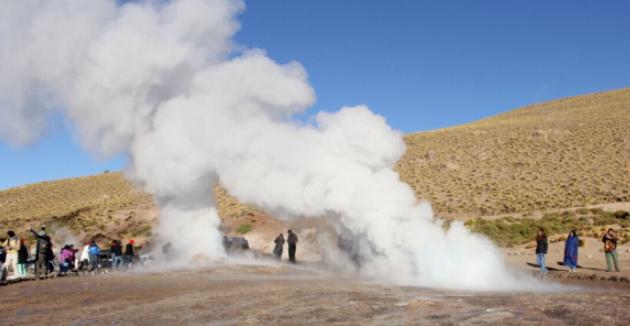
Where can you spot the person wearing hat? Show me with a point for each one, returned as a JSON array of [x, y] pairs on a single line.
[[12, 246], [43, 247]]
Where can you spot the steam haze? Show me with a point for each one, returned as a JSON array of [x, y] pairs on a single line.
[[161, 82]]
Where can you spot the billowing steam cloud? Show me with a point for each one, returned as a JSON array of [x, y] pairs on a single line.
[[160, 81]]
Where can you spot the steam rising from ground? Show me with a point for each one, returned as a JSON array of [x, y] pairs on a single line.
[[161, 82]]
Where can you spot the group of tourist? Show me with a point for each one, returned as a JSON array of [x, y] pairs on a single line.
[[292, 240], [15, 257], [571, 246]]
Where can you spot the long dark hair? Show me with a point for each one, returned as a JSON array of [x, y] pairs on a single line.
[[540, 236]]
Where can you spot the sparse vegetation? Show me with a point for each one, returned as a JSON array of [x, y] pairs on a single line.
[[509, 232], [572, 152], [243, 228]]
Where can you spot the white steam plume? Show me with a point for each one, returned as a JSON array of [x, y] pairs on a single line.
[[160, 81]]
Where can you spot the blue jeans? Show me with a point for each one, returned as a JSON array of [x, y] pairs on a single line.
[[116, 261], [93, 262], [540, 259]]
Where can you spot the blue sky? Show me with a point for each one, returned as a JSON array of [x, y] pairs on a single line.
[[421, 64]]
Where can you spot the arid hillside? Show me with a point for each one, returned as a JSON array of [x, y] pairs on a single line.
[[104, 205], [571, 152]]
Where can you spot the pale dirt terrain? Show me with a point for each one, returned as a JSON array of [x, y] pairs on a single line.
[[292, 295]]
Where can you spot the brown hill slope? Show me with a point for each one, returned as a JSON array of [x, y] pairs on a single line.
[[565, 153], [103, 205]]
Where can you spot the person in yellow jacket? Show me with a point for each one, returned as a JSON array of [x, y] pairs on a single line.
[[12, 246]]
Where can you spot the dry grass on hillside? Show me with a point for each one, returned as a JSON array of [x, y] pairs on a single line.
[[101, 205], [566, 153], [104, 206]]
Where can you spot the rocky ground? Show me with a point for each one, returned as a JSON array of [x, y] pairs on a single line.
[[293, 295]]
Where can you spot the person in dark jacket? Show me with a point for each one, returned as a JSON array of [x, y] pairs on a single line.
[[22, 260], [292, 240], [571, 251], [43, 251], [279, 247], [3, 258], [129, 253], [116, 254], [541, 249]]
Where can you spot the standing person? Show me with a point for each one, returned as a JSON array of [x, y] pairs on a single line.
[[22, 259], [541, 249], [571, 251], [116, 253], [84, 257], [3, 257], [292, 240], [43, 247], [610, 248], [129, 253], [12, 246], [277, 250], [94, 250]]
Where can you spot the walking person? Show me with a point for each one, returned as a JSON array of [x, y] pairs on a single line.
[[542, 245], [571, 251], [43, 247], [129, 253], [93, 251], [12, 246], [292, 240], [22, 259], [116, 254], [279, 247], [610, 249]]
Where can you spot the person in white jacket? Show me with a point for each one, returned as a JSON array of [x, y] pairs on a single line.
[[12, 246], [84, 257]]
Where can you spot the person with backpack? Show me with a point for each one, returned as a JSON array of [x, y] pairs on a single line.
[[12, 246], [542, 245], [43, 249], [610, 249], [94, 250]]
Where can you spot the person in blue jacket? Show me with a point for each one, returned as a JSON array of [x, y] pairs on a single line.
[[93, 251], [571, 251]]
